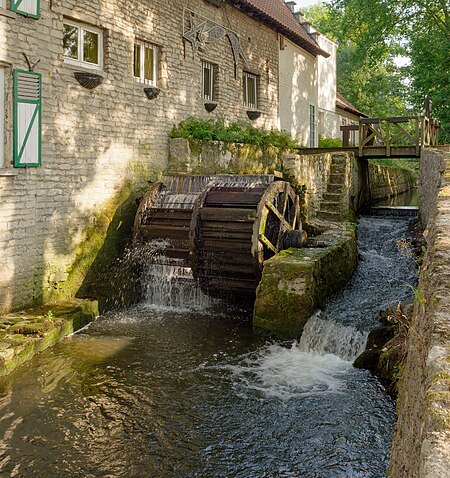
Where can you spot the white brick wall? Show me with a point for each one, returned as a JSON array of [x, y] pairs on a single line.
[[93, 140]]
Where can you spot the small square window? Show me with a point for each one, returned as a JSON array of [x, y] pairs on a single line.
[[145, 63], [82, 45], [208, 81], [250, 90]]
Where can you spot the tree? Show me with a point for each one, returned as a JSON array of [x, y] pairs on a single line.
[[372, 34], [367, 73]]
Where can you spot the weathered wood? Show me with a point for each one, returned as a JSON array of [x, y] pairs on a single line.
[[227, 214]]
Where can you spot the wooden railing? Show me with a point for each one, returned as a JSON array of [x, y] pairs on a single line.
[[395, 132]]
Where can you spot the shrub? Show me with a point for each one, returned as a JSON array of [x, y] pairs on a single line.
[[325, 142], [237, 132]]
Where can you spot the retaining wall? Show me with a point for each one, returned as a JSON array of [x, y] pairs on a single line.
[[386, 182], [421, 446]]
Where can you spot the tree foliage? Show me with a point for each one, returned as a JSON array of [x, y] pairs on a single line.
[[371, 36]]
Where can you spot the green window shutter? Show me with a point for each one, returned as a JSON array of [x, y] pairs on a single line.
[[30, 8], [27, 119]]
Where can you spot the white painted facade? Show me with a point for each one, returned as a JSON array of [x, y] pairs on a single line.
[[298, 90], [329, 120], [2, 116]]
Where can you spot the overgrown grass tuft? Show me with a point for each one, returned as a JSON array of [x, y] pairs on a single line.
[[237, 132]]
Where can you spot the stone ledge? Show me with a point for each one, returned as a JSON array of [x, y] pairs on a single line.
[[295, 282], [24, 334]]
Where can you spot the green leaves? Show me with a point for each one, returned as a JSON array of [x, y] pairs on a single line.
[[371, 36], [238, 132]]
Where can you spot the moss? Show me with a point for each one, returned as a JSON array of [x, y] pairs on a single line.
[[31, 328], [297, 281], [37, 332]]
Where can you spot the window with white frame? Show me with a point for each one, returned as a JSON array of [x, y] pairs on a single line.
[[312, 126], [2, 117], [83, 45], [250, 90], [208, 81], [145, 66]]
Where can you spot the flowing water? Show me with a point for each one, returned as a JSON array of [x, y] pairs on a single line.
[[163, 391]]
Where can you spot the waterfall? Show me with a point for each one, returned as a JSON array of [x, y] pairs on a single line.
[[171, 285], [323, 336]]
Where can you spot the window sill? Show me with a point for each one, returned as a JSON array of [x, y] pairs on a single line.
[[84, 67], [7, 13], [8, 172]]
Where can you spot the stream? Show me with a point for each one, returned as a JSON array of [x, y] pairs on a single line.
[[180, 387]]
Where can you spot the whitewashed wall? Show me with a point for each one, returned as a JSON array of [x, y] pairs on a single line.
[[298, 89]]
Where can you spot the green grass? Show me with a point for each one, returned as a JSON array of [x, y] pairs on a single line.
[[237, 132]]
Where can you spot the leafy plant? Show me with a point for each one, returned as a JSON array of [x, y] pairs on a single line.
[[237, 132], [325, 142]]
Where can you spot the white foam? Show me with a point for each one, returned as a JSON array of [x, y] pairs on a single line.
[[284, 373]]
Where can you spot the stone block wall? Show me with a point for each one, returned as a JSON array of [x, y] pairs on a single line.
[[94, 141], [421, 446], [386, 182], [432, 166]]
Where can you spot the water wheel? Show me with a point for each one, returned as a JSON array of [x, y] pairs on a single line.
[[235, 229]]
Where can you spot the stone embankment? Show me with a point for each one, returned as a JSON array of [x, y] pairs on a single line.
[[24, 334], [386, 182], [421, 446], [295, 282]]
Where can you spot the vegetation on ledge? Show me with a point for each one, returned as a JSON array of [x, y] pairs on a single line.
[[237, 132]]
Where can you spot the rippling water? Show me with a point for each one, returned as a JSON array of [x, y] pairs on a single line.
[[154, 392]]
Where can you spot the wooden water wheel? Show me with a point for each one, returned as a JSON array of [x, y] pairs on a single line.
[[235, 229]]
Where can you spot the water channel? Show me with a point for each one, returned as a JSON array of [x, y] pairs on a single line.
[[186, 390]]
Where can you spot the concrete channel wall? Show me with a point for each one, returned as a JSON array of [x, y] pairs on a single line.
[[421, 446]]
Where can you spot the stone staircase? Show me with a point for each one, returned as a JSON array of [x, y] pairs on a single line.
[[332, 201]]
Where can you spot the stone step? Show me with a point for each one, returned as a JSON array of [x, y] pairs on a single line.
[[332, 197], [338, 159], [337, 178], [329, 216], [337, 168], [331, 206], [335, 188]]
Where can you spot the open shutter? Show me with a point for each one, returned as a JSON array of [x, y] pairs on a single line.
[[30, 8], [27, 119]]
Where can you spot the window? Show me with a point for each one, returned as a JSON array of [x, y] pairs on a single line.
[[312, 126], [208, 81], [250, 85], [146, 63], [82, 45], [2, 117]]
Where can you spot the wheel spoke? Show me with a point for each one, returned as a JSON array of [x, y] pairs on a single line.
[[277, 213], [267, 243]]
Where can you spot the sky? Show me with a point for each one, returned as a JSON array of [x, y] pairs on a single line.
[[306, 3]]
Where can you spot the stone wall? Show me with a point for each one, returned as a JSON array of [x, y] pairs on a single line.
[[312, 173], [421, 446], [215, 157], [386, 182], [95, 141], [432, 167]]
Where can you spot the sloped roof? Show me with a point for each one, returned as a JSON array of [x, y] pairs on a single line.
[[342, 103], [276, 15]]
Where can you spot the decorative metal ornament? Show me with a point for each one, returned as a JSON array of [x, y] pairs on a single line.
[[206, 31], [88, 80], [196, 36]]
